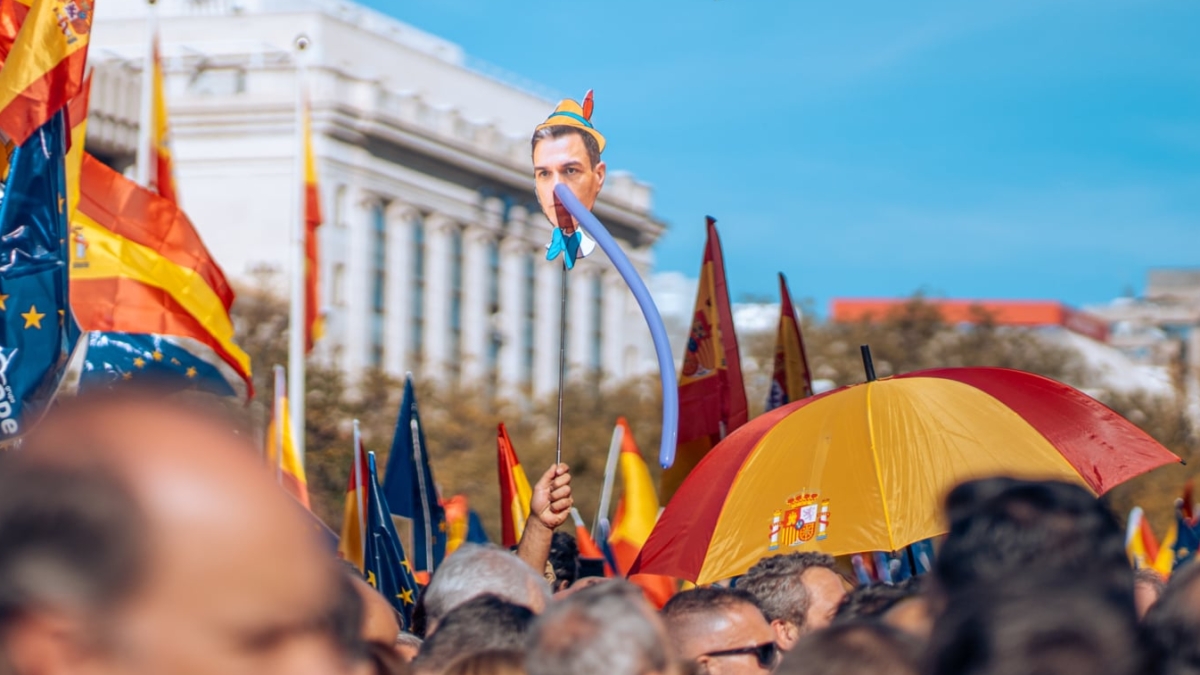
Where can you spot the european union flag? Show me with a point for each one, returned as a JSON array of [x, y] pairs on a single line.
[[387, 568], [475, 531], [409, 486], [1187, 540], [113, 358], [38, 330]]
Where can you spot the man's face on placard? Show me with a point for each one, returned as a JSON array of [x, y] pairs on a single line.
[[564, 159]]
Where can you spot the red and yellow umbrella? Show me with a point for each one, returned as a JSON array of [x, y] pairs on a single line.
[[865, 467]]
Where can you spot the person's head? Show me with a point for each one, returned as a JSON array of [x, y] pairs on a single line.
[[566, 149], [1148, 587], [868, 603], [606, 629], [482, 623], [380, 622], [853, 649], [722, 630], [564, 557], [799, 593], [1030, 627], [1002, 528], [476, 570], [159, 543], [492, 662], [1172, 625]]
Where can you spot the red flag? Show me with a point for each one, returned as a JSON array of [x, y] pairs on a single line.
[[313, 323], [792, 379], [515, 493], [43, 69], [712, 397]]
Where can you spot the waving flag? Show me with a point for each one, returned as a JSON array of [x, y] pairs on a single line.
[[162, 169], [313, 322], [288, 467], [386, 567], [792, 379], [515, 493], [409, 486], [1140, 543], [37, 333], [636, 514], [44, 66], [712, 397], [462, 524], [354, 525]]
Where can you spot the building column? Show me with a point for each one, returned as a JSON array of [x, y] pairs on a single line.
[[357, 324], [616, 296], [579, 319], [398, 308], [508, 322], [438, 229], [476, 315], [546, 326]]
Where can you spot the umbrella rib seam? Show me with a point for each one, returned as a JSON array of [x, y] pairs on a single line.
[[887, 517]]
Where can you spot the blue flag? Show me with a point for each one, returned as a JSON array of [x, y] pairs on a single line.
[[475, 531], [38, 330], [175, 362], [1187, 539], [386, 567], [410, 489]]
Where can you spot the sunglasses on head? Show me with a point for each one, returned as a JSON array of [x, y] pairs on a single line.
[[766, 653]]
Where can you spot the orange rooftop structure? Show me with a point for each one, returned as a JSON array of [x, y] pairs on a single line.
[[1030, 313]]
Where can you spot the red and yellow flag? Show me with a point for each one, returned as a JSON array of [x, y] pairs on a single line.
[[354, 523], [313, 323], [587, 546], [792, 379], [12, 15], [162, 171], [287, 464], [44, 67], [515, 493], [712, 397], [636, 514]]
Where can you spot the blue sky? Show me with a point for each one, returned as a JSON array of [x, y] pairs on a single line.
[[981, 150]]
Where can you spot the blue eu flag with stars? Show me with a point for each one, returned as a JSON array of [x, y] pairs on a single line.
[[386, 567], [410, 489], [38, 330]]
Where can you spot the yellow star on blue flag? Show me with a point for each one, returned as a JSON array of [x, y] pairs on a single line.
[[384, 559]]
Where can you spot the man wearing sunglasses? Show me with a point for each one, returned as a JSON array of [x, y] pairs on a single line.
[[722, 630]]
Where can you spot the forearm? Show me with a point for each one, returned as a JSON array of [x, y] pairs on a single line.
[[534, 547]]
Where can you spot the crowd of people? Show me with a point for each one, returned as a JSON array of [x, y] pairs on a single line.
[[141, 534]]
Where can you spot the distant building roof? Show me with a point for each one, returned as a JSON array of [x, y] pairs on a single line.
[[1002, 312]]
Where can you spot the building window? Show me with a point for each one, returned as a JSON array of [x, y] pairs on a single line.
[[597, 336], [527, 320], [493, 306], [417, 320], [378, 282], [456, 303]]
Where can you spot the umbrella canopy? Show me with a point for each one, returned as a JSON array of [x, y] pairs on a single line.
[[865, 467]]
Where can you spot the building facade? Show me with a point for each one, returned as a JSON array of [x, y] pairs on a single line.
[[432, 250]]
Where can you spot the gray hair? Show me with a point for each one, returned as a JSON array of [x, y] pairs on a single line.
[[776, 583], [606, 629], [476, 570]]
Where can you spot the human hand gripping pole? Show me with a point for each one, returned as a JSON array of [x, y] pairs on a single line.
[[658, 331]]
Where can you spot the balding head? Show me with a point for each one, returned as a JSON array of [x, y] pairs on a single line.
[[231, 577]]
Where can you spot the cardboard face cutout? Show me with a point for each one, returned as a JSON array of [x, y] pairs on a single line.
[[568, 153]]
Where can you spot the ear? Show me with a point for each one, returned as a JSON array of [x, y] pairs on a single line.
[[601, 171], [787, 634], [45, 643]]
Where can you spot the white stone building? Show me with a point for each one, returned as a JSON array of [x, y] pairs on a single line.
[[432, 248]]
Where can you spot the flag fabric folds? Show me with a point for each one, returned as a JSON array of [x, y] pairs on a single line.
[[792, 379], [162, 169], [712, 396], [385, 566], [636, 514], [354, 524], [44, 68], [286, 463], [586, 545], [515, 493], [138, 266], [1140, 544], [37, 334], [313, 321], [410, 489], [463, 524]]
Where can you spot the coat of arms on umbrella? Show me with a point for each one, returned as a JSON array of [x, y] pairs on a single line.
[[804, 518]]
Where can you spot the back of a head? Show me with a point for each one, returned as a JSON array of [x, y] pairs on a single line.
[[853, 649], [606, 629], [476, 570], [872, 602], [689, 611], [492, 662], [1172, 625], [1002, 528], [564, 558], [483, 623], [775, 582], [1032, 629]]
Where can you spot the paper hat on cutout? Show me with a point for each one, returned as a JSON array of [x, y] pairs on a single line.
[[571, 114]]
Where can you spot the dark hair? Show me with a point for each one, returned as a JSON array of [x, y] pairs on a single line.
[[1172, 626], [851, 649], [1001, 529], [70, 536], [559, 130], [1150, 578], [564, 558], [872, 602], [1030, 628], [776, 583], [706, 599], [482, 623]]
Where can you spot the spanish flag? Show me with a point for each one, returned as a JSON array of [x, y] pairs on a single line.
[[12, 15], [351, 546], [162, 172], [313, 323], [636, 514], [1140, 543], [712, 397], [586, 545], [44, 67], [515, 493], [286, 464], [792, 379]]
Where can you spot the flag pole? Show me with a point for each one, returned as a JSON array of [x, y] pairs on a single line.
[[297, 329], [146, 113], [562, 359], [280, 388], [610, 472]]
